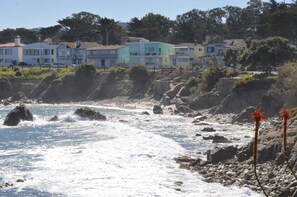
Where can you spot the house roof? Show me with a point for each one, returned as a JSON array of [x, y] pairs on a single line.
[[84, 45], [9, 45], [109, 47]]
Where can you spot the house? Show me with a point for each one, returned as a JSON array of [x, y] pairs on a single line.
[[151, 54], [107, 56], [69, 53], [214, 51], [186, 54], [41, 53], [11, 53]]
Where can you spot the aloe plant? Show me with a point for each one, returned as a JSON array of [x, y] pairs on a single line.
[[257, 116], [285, 114]]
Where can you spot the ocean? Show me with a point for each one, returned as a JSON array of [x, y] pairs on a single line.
[[129, 154]]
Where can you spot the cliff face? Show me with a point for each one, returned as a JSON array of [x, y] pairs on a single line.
[[10, 86]]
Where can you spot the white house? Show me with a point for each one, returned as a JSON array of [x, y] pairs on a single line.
[[11, 53], [215, 50], [40, 54]]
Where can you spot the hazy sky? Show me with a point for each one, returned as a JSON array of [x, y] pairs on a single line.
[[44, 13]]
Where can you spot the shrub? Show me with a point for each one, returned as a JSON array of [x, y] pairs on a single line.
[[18, 73], [117, 73], [86, 70], [192, 82], [210, 76], [286, 85], [138, 74]]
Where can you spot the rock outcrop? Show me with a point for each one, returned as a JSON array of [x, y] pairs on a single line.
[[17, 114], [89, 113], [157, 109]]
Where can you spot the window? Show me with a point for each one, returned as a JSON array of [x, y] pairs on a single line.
[[210, 49], [1, 51], [8, 52], [151, 49], [31, 52], [52, 51], [8, 60], [1, 60], [182, 60]]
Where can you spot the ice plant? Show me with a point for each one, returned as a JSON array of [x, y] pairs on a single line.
[[257, 116], [285, 114]]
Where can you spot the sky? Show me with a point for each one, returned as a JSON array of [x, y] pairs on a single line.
[[44, 13]]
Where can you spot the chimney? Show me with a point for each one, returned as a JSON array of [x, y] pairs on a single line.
[[17, 41]]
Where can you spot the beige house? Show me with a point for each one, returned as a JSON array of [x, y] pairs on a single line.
[[186, 54]]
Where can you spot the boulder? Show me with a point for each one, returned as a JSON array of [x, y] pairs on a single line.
[[220, 139], [221, 154], [184, 109], [157, 109], [55, 118], [160, 87], [145, 113], [244, 116], [210, 137], [184, 92], [270, 105], [17, 114], [166, 100], [208, 129], [90, 114]]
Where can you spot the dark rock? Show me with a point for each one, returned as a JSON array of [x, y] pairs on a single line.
[[6, 102], [89, 113], [20, 180], [208, 129], [206, 101], [244, 116], [270, 105], [157, 109], [145, 113], [245, 152], [221, 154], [210, 137], [55, 118], [184, 92], [184, 159], [17, 114], [220, 139], [184, 109]]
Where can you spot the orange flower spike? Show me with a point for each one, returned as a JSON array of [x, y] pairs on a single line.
[[285, 114], [258, 116]]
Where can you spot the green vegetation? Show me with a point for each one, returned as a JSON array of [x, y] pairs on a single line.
[[286, 83], [268, 53], [211, 75], [117, 73], [32, 73], [138, 74]]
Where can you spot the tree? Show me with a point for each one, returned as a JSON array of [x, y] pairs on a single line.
[[50, 32], [83, 26], [27, 36], [191, 26], [231, 56], [111, 32], [269, 53], [152, 27]]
